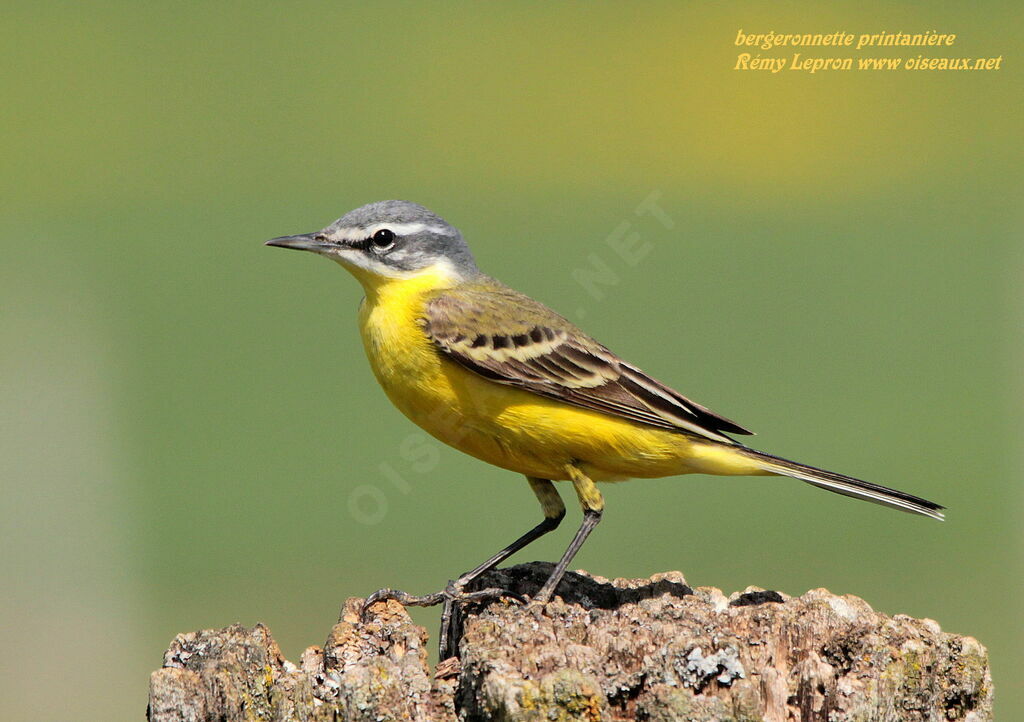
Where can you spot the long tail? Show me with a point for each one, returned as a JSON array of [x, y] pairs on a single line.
[[847, 485]]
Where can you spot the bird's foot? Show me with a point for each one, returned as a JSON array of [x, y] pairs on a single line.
[[453, 593], [545, 594], [403, 598], [538, 602]]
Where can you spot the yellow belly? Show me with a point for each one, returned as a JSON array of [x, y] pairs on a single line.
[[509, 427]]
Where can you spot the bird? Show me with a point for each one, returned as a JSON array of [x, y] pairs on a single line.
[[495, 374]]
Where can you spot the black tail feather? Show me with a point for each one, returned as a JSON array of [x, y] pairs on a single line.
[[848, 485]]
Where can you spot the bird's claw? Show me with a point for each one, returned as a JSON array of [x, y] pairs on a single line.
[[403, 598], [453, 593]]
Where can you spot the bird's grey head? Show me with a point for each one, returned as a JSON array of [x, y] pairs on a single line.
[[393, 239]]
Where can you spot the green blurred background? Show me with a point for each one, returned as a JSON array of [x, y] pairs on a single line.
[[191, 434]]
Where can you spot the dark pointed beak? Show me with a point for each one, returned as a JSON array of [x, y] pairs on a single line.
[[305, 242]]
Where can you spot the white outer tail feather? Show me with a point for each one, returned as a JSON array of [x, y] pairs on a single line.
[[848, 486]]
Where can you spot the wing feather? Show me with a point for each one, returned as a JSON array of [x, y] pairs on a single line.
[[511, 339]]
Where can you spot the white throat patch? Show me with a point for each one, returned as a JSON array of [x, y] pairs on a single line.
[[353, 259]]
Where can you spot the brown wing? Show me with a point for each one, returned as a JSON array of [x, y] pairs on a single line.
[[511, 339]]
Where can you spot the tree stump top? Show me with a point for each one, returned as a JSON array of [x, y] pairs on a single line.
[[650, 649]]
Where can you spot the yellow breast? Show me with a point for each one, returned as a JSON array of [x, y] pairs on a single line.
[[502, 425], [449, 402]]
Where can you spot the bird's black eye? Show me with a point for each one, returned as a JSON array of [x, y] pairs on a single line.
[[383, 238]]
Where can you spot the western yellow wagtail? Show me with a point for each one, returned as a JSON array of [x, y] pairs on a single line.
[[503, 378]]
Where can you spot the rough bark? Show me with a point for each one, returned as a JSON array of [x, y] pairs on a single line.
[[650, 649]]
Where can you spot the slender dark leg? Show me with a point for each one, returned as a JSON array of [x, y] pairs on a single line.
[[549, 524], [454, 594], [554, 512], [593, 506], [590, 520]]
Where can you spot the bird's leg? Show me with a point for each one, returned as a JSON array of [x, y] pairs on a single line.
[[554, 512], [593, 506]]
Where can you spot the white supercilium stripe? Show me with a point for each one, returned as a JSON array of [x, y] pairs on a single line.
[[399, 229]]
